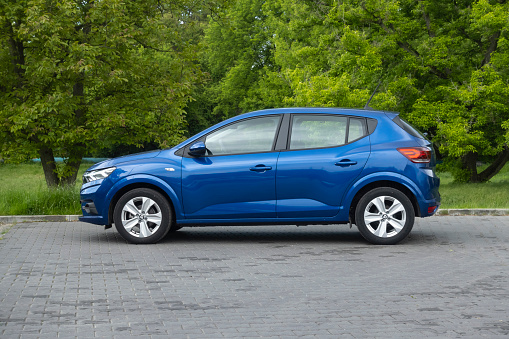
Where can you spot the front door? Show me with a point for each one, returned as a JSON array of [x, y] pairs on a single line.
[[236, 178]]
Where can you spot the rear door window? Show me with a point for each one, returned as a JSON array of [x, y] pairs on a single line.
[[319, 131]]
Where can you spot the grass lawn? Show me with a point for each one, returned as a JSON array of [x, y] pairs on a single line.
[[493, 194], [23, 191]]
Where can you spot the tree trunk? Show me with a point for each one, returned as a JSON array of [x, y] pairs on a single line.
[[470, 164], [17, 52], [49, 166], [495, 166], [71, 169], [77, 150]]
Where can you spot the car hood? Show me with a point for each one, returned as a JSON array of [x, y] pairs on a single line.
[[126, 158]]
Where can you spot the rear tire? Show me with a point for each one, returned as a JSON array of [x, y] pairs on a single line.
[[142, 216], [384, 216]]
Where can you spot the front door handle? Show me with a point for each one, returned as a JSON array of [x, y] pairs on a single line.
[[346, 163], [260, 168]]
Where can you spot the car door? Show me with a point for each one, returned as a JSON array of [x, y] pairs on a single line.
[[236, 178], [324, 154]]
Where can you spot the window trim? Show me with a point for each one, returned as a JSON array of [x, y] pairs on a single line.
[[283, 133], [185, 148], [290, 127]]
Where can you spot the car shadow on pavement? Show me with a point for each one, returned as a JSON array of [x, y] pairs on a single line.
[[269, 235], [339, 234], [251, 234]]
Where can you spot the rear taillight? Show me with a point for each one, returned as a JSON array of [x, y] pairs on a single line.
[[416, 154], [432, 209]]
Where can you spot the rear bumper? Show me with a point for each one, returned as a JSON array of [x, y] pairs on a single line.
[[96, 219], [429, 207]]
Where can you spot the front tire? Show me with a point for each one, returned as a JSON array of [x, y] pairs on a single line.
[[384, 216], [142, 216]]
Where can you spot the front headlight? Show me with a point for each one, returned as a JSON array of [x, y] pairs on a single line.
[[98, 174]]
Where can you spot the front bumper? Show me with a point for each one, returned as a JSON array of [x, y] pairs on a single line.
[[93, 204]]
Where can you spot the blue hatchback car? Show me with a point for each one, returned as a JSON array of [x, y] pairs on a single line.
[[297, 166]]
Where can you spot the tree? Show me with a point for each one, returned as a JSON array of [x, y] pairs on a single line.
[[275, 53], [78, 75], [446, 65], [442, 65], [239, 53]]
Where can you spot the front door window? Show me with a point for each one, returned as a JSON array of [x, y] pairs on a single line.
[[248, 136]]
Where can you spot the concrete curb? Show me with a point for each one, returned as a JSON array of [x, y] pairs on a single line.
[[10, 219], [474, 212]]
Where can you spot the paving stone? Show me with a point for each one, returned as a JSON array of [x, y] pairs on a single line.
[[448, 279]]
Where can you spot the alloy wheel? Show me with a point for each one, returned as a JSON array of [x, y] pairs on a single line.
[[385, 216], [141, 217]]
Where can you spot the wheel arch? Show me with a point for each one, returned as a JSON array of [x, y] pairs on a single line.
[[383, 183], [128, 186]]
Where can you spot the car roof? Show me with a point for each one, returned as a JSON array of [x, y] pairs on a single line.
[[318, 110]]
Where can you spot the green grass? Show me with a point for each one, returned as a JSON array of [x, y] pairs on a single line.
[[23, 191], [493, 194]]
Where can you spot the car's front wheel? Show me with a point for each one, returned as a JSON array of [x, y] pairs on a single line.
[[384, 216], [142, 216]]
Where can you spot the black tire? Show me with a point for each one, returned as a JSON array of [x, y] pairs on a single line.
[[387, 227], [147, 226]]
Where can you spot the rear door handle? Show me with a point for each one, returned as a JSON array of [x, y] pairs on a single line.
[[346, 163], [260, 168]]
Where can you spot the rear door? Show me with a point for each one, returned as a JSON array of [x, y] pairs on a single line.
[[324, 154]]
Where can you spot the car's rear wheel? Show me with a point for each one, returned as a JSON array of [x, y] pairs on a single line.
[[384, 216], [142, 216]]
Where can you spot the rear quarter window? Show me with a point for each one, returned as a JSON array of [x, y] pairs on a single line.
[[408, 128]]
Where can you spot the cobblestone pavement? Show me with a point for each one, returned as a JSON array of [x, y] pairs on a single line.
[[449, 279]]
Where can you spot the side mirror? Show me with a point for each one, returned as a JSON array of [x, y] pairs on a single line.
[[198, 149]]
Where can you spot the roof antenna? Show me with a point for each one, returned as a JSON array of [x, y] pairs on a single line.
[[367, 103]]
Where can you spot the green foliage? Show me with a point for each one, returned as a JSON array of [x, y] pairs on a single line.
[[442, 65], [238, 54], [79, 77], [446, 65]]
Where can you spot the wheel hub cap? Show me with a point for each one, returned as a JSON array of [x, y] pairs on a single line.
[[141, 217], [385, 216]]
